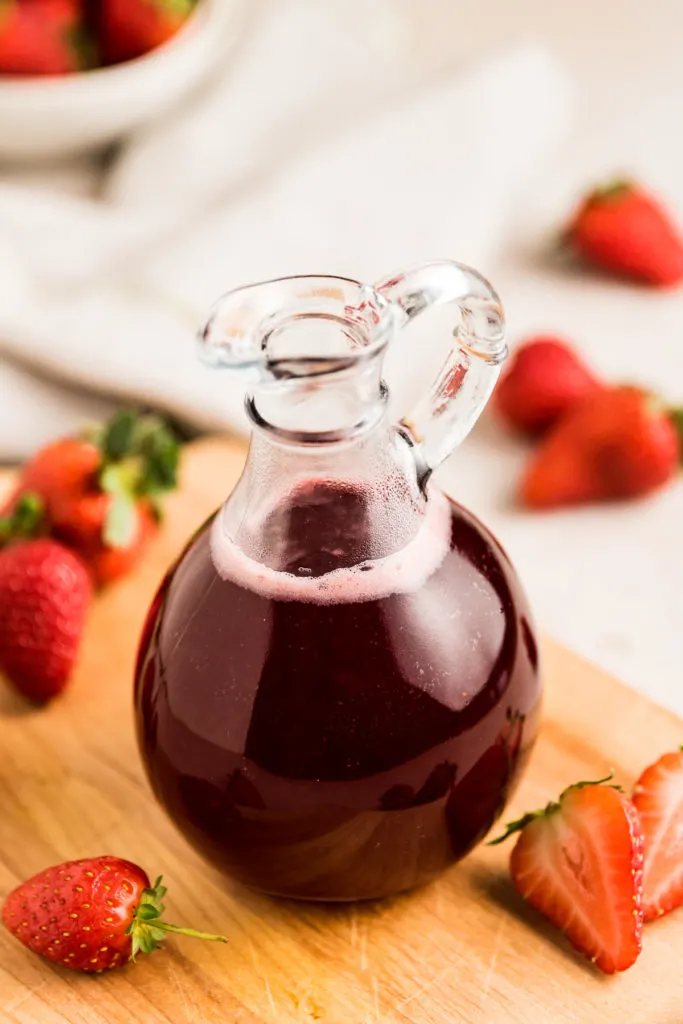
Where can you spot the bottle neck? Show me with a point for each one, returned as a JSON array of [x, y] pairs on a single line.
[[325, 408], [316, 508]]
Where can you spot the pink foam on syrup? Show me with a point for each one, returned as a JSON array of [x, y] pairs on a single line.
[[401, 572]]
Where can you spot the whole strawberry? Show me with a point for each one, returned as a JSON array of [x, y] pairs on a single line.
[[619, 444], [91, 915], [45, 593], [579, 862], [621, 228], [43, 37], [101, 494], [544, 381], [131, 28]]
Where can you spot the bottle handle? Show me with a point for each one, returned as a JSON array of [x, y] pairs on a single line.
[[464, 384]]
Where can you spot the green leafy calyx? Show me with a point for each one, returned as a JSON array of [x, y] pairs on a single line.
[[179, 8], [147, 930], [609, 190], [25, 521], [140, 456], [676, 417], [551, 808]]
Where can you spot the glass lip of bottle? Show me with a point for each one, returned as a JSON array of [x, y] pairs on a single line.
[[319, 439], [372, 328]]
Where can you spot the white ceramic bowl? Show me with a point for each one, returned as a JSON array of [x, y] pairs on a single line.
[[61, 116]]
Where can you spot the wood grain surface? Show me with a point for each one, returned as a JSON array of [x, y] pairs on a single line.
[[464, 949]]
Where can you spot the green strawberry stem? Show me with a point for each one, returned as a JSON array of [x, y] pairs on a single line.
[[676, 417], [191, 932], [140, 456], [550, 808], [24, 521], [181, 8], [147, 929], [611, 189]]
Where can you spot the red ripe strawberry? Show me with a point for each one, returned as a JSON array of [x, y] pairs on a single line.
[[623, 229], [580, 863], [101, 495], [42, 37], [658, 797], [131, 28], [544, 381], [619, 444], [91, 915], [45, 592]]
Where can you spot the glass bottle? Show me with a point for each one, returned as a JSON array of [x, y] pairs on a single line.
[[337, 685]]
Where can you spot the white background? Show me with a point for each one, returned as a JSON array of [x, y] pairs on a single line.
[[606, 581]]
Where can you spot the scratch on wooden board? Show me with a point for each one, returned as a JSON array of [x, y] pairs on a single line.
[[363, 947], [270, 998], [257, 967], [494, 959], [448, 969], [375, 993], [181, 990]]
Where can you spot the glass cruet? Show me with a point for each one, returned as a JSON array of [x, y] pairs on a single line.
[[337, 684]]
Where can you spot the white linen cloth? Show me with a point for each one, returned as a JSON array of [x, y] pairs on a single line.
[[319, 148]]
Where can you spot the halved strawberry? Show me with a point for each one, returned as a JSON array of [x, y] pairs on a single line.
[[658, 797], [580, 863]]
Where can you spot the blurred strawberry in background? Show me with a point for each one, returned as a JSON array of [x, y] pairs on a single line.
[[84, 511], [56, 37], [101, 493], [45, 593], [43, 37], [596, 441], [545, 379], [619, 444], [623, 229], [131, 28]]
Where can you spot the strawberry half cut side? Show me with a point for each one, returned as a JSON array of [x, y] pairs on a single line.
[[658, 797], [579, 861]]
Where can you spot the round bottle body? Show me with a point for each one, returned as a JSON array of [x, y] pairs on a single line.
[[342, 740]]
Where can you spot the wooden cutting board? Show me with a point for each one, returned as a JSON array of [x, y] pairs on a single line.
[[464, 949]]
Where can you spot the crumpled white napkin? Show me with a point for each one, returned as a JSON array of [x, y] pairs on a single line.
[[318, 149]]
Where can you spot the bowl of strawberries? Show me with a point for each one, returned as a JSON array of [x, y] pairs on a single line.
[[76, 75]]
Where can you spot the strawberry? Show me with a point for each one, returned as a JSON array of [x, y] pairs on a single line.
[[91, 915], [658, 797], [619, 444], [544, 381], [623, 229], [45, 592], [101, 494], [42, 37], [580, 863], [131, 28]]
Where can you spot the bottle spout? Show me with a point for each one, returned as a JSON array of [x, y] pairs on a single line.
[[296, 327], [310, 350]]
